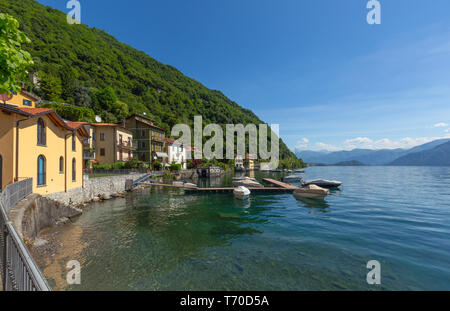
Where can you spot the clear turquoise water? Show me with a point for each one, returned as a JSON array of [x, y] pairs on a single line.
[[164, 240]]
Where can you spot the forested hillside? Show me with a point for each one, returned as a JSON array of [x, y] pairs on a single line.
[[87, 67]]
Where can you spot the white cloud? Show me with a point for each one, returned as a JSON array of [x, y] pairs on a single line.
[[358, 142], [447, 130], [302, 144], [386, 143], [323, 146], [440, 124]]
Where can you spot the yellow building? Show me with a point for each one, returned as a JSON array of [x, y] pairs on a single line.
[[22, 99], [37, 143], [109, 143]]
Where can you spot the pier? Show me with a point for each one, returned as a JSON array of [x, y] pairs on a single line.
[[279, 183], [280, 187]]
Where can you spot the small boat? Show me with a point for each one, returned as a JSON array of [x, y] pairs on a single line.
[[184, 184], [301, 171], [246, 183], [323, 183], [243, 178], [292, 178], [241, 193], [311, 192]]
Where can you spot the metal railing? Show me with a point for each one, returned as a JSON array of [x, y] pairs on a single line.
[[89, 155], [19, 272]]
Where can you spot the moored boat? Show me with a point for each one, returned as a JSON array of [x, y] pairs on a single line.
[[323, 183], [300, 171], [311, 192], [246, 183], [241, 193]]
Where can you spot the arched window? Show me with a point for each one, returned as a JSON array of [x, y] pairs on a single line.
[[73, 142], [61, 165], [74, 170], [41, 139], [41, 170]]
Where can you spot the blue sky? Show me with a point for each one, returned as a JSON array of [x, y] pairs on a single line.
[[317, 68]]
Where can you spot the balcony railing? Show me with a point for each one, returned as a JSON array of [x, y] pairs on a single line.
[[158, 139], [127, 144], [89, 155]]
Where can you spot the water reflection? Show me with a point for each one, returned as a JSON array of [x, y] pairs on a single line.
[[314, 204]]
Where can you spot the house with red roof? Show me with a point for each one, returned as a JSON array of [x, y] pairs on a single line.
[[37, 143]]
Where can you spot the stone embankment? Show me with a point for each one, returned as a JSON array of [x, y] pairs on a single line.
[[95, 189]]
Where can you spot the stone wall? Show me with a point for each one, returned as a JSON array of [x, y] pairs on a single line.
[[102, 187], [36, 212]]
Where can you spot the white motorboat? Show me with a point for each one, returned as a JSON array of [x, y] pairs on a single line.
[[243, 178], [184, 184], [241, 193], [246, 183], [299, 171], [311, 192], [323, 183]]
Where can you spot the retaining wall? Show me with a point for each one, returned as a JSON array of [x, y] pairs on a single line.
[[103, 187]]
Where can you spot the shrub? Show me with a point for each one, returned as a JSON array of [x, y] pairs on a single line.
[[119, 165], [175, 167], [157, 165], [101, 166]]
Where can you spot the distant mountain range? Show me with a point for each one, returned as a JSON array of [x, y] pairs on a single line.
[[433, 153], [438, 156]]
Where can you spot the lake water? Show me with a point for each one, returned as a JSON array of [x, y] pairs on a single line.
[[164, 240]]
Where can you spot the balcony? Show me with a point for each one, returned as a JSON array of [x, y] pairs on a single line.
[[88, 155], [158, 139], [129, 145]]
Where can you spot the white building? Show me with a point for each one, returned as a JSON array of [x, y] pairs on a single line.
[[177, 153]]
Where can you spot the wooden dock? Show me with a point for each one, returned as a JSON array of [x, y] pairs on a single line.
[[281, 187], [279, 183], [166, 185], [230, 190]]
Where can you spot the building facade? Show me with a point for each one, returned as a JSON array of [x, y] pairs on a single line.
[[149, 139], [177, 153], [108, 143], [37, 143]]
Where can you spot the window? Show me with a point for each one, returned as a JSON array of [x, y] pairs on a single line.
[[102, 136], [27, 102], [129, 154], [41, 138], [102, 152], [121, 155], [143, 133], [74, 170], [41, 171], [61, 165], [73, 142], [120, 139]]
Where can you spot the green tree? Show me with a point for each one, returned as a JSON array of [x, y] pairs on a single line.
[[13, 60], [50, 87], [106, 98]]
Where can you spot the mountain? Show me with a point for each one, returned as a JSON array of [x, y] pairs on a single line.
[[429, 145], [437, 156], [366, 156], [88, 67]]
